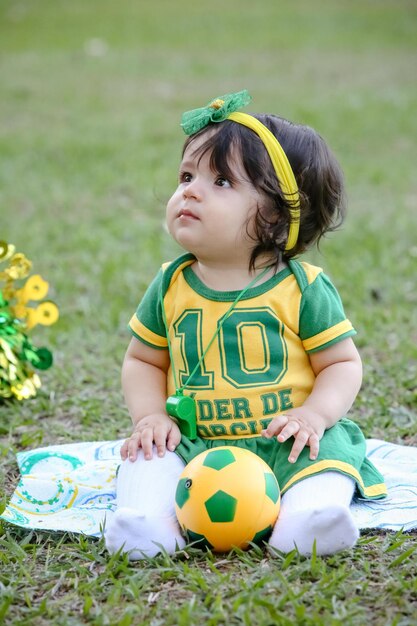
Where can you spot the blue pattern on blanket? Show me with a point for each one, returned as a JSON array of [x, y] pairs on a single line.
[[398, 464]]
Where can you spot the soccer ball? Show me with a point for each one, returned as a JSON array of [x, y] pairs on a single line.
[[226, 497]]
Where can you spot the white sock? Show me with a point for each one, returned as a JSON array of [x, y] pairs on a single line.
[[316, 510], [142, 536], [145, 520]]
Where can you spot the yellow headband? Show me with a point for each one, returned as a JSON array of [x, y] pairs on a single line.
[[282, 169]]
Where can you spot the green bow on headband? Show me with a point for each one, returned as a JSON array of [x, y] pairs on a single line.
[[217, 110]]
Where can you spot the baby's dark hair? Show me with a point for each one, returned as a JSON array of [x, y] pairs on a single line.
[[316, 170]]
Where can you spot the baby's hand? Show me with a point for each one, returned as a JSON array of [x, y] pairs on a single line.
[[157, 428], [306, 426]]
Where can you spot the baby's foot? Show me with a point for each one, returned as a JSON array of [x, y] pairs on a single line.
[[333, 529], [140, 535]]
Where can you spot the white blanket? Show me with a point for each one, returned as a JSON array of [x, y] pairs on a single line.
[[72, 488]]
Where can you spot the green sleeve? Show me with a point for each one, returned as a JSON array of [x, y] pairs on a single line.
[[147, 324], [322, 318], [148, 320]]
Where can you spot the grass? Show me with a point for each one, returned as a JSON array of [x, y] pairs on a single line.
[[81, 584], [89, 142]]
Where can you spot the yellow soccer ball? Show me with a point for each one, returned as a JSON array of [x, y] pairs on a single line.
[[227, 497]]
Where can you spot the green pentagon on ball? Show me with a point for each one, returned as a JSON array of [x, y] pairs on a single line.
[[218, 459], [262, 535], [198, 541], [271, 487], [182, 493], [221, 507]]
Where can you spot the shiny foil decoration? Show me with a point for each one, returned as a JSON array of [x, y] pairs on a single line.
[[19, 358]]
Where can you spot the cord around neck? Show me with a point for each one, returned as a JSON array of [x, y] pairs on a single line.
[[224, 318]]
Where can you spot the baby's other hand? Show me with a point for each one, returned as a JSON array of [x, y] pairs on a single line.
[[306, 426], [158, 429]]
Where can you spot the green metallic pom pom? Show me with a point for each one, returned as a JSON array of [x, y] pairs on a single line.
[[18, 356]]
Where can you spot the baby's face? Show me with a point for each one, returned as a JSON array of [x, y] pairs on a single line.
[[209, 215]]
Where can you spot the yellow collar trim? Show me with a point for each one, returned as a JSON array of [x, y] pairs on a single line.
[[282, 169]]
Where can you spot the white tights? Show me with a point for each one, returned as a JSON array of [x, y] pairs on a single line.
[[314, 510], [145, 518]]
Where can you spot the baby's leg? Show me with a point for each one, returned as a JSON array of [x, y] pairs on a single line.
[[145, 521], [316, 509]]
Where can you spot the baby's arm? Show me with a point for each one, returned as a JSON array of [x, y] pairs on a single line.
[[338, 372], [144, 382]]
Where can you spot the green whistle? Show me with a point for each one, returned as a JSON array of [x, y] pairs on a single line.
[[183, 409]]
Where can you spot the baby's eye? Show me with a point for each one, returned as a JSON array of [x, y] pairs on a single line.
[[222, 182], [185, 177]]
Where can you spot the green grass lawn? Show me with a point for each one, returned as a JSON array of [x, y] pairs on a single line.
[[91, 96]]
